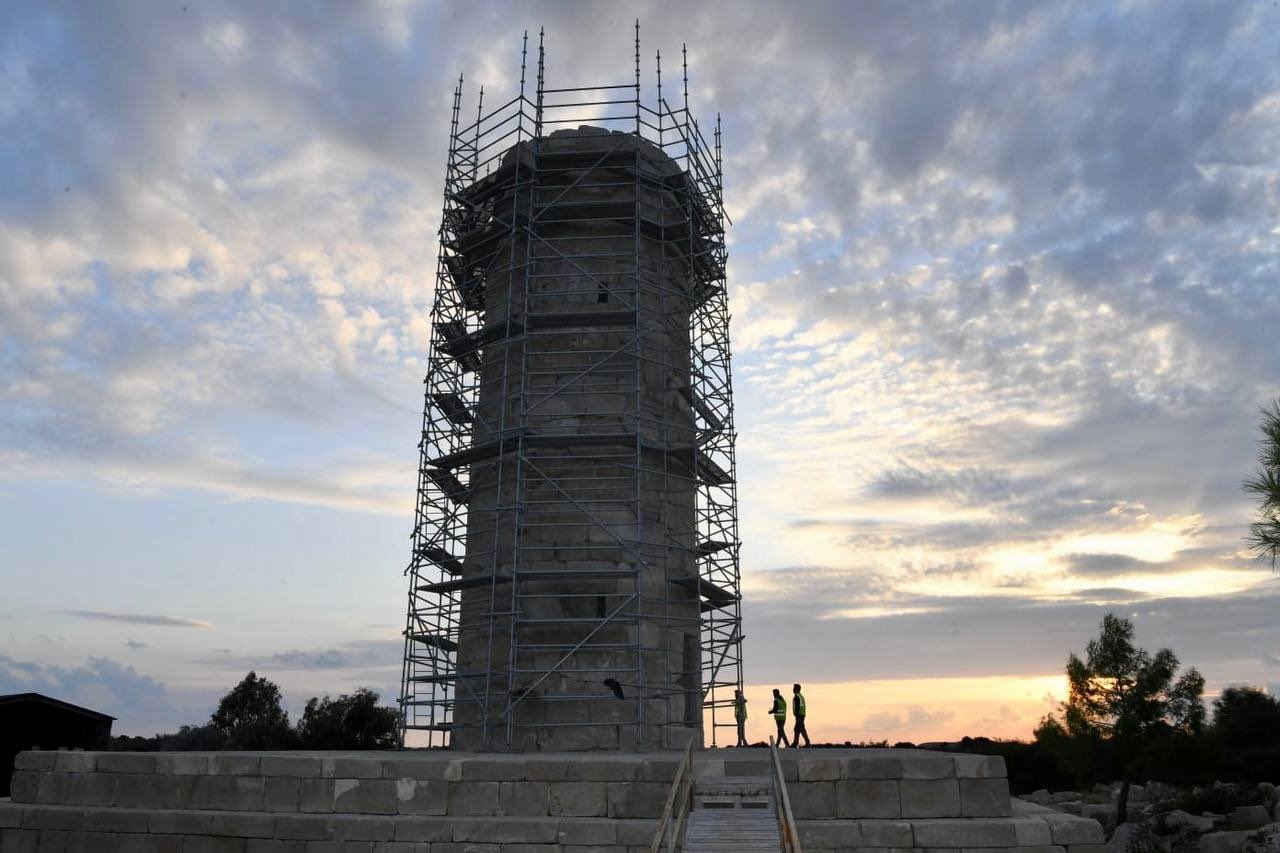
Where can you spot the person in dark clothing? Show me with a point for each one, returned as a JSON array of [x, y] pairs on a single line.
[[797, 708], [780, 716], [740, 714]]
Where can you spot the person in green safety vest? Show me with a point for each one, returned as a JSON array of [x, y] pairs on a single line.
[[740, 714], [780, 716], [797, 708]]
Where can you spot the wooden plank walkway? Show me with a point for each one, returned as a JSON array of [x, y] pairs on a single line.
[[732, 831], [732, 815]]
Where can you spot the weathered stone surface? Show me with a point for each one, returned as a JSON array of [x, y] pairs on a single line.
[[35, 760], [280, 794], [182, 763], [354, 828], [494, 770], [636, 799], [867, 798], [304, 827], [812, 799], [1031, 832], [980, 766], [235, 764], [365, 796], [582, 799], [928, 767], [586, 831], [528, 799], [126, 762], [420, 829], [243, 825], [291, 765], [1224, 842], [985, 798], [19, 840], [424, 797], [156, 844], [315, 795], [473, 798], [23, 785], [833, 834], [75, 762], [91, 789], [821, 770], [963, 833], [886, 833], [1069, 829], [930, 797], [350, 767], [509, 830]]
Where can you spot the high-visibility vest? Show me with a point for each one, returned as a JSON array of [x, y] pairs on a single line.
[[780, 708], [797, 703], [740, 709]]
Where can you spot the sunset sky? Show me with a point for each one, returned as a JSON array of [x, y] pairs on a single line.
[[1005, 282]]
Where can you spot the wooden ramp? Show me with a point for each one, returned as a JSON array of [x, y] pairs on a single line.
[[732, 814]]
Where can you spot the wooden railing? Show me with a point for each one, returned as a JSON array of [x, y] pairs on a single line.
[[787, 833], [679, 801]]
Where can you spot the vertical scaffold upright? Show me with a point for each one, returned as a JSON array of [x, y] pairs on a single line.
[[574, 579]]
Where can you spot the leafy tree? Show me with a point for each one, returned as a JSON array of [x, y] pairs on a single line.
[[251, 716], [1246, 734], [348, 722], [1264, 534], [1122, 699]]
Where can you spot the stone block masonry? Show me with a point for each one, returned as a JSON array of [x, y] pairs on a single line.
[[854, 801]]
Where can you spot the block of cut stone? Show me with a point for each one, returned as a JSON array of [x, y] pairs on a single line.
[[527, 799], [315, 795], [979, 766], [811, 800], [637, 799], [833, 834], [35, 760], [76, 762], [182, 763], [419, 829], [1069, 829], [23, 785], [280, 794], [232, 764], [586, 831], [51, 788], [137, 790], [126, 762], [180, 822], [821, 770], [55, 818], [870, 767], [1031, 831], [928, 767], [985, 798], [344, 767], [363, 827], [291, 765], [867, 798], [886, 833], [485, 769], [303, 827], [931, 798], [963, 833], [10, 815], [365, 796], [242, 825], [507, 830], [473, 798], [577, 799], [422, 796], [92, 789]]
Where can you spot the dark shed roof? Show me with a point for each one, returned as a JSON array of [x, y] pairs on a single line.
[[25, 698]]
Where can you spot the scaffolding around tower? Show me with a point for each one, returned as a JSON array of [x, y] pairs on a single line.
[[574, 578]]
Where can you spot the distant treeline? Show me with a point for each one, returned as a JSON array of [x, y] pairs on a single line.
[[251, 717]]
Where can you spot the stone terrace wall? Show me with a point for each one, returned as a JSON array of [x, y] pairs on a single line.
[[850, 801]]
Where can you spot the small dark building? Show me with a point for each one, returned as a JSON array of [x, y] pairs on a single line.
[[32, 721]]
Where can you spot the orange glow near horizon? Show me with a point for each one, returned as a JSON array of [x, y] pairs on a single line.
[[917, 710]]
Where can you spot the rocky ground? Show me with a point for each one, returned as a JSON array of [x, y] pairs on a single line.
[[1164, 819]]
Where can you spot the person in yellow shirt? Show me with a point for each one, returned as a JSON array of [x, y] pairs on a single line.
[[797, 708], [780, 717]]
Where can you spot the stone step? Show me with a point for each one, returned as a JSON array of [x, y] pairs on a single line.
[[26, 827]]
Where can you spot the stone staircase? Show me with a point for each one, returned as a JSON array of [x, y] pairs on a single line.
[[732, 814]]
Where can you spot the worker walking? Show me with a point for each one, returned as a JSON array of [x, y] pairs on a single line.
[[740, 714], [797, 708], [780, 716]]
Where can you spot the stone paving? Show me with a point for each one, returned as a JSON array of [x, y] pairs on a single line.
[[443, 802]]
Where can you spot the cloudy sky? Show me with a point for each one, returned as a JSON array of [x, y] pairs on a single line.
[[1004, 283]]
